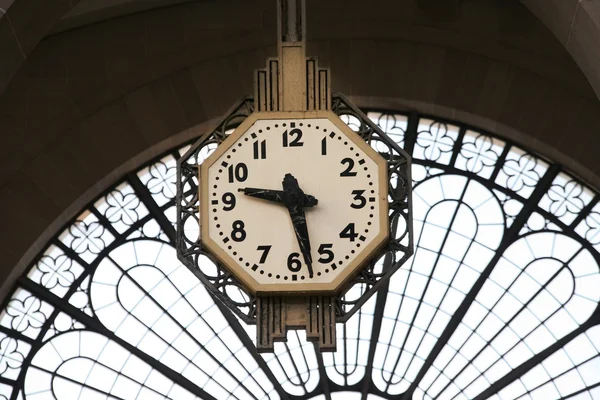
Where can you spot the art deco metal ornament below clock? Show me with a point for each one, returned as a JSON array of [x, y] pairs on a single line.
[[303, 211]]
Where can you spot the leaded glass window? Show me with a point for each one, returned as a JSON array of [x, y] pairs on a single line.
[[499, 301]]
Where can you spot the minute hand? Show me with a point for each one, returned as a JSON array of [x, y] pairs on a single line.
[[301, 230], [295, 200]]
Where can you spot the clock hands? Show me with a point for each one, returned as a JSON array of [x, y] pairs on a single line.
[[294, 199]]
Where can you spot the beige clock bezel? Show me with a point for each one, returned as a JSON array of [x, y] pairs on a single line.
[[306, 287]]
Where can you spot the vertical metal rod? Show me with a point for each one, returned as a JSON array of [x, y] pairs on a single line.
[[291, 21], [291, 52], [291, 14]]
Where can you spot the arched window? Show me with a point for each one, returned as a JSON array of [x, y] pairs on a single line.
[[499, 301]]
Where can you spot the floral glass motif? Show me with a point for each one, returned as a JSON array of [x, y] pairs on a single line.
[[499, 301]]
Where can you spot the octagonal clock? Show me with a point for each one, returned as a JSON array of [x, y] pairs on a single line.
[[293, 202]]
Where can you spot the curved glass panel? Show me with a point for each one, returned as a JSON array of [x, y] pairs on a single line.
[[458, 225], [87, 365], [159, 307], [571, 372]]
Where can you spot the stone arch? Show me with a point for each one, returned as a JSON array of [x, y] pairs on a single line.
[[63, 115], [575, 23]]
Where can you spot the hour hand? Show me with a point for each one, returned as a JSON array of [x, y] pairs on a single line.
[[265, 194]]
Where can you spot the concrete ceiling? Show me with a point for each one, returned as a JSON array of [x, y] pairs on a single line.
[[114, 82]]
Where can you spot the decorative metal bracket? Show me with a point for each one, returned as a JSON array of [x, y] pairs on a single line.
[[292, 82], [315, 314]]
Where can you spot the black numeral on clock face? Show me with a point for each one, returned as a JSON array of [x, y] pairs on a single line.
[[326, 253], [293, 262], [324, 146], [260, 150], [296, 136], [265, 253], [238, 234], [238, 172], [349, 165], [348, 232], [360, 200], [229, 201]]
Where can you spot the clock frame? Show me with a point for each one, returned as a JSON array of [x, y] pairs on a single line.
[[247, 272]]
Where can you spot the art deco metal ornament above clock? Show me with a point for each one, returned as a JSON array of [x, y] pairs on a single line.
[[299, 215]]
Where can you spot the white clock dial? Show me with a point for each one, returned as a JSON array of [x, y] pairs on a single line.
[[254, 234]]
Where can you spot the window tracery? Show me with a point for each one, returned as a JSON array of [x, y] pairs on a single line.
[[500, 299]]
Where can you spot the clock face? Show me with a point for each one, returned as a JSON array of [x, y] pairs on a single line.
[[293, 204]]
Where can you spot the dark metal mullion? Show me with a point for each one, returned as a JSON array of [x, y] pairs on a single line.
[[512, 318], [9, 382], [17, 386], [410, 137], [40, 291], [20, 381], [287, 348], [584, 212], [500, 162], [375, 331], [125, 234], [472, 176], [381, 298], [382, 293], [522, 369], [511, 235], [574, 368], [119, 239], [95, 325], [457, 145], [247, 342], [345, 347], [281, 365], [506, 325], [88, 269], [459, 262], [104, 221], [585, 389], [153, 208], [76, 257], [85, 385], [360, 316], [324, 380], [18, 335], [439, 255]]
